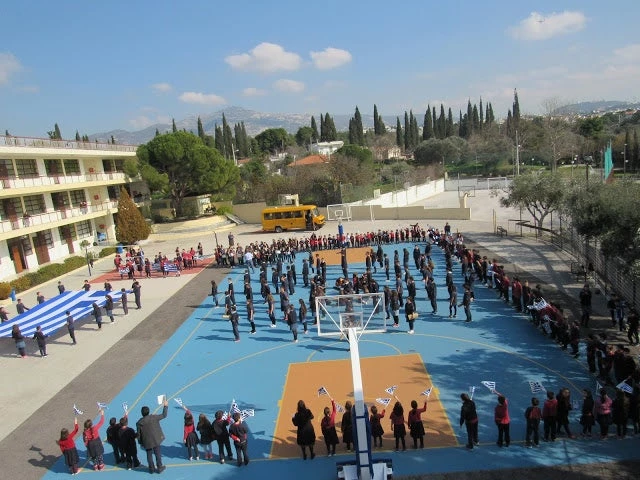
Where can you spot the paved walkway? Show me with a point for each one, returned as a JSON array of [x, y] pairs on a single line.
[[35, 382]]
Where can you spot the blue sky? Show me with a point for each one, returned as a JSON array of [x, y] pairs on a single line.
[[97, 66]]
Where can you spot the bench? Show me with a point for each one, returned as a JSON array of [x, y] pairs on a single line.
[[500, 230]]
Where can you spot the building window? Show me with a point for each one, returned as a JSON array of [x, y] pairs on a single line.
[[33, 204], [48, 238], [26, 246], [119, 162], [26, 168], [84, 229], [53, 166], [71, 167], [77, 197], [68, 231], [6, 169]]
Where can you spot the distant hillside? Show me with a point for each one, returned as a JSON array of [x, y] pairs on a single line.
[[254, 122], [602, 106]]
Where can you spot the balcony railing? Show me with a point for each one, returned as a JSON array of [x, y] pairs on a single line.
[[25, 182], [45, 218], [11, 141]]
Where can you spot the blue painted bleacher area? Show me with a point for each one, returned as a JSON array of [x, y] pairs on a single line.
[[50, 315]]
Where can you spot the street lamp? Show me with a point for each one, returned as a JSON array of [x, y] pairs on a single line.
[[85, 244]]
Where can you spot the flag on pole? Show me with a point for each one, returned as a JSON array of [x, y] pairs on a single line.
[[339, 408], [247, 413], [225, 416], [383, 401], [323, 391], [625, 387], [178, 400], [101, 405], [234, 408], [472, 390], [490, 385], [77, 411], [427, 392], [125, 407], [536, 387], [391, 390]]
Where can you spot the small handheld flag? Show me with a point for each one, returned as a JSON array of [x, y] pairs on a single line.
[[77, 411], [490, 385], [125, 407], [625, 387], [427, 392], [101, 405], [247, 413], [383, 401], [472, 390], [178, 400], [234, 408], [225, 416], [391, 390], [536, 387], [323, 391], [339, 408]]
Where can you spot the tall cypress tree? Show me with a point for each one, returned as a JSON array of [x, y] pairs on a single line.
[[157, 132], [358, 128], [434, 121], [481, 111], [449, 129], [461, 132], [174, 129], [427, 126], [635, 151], [77, 136], [516, 111], [352, 133], [315, 135], [475, 118], [330, 128], [381, 125], [376, 127], [509, 124], [200, 129], [469, 119], [323, 127], [442, 123], [399, 135], [407, 132], [415, 131], [227, 138], [219, 139]]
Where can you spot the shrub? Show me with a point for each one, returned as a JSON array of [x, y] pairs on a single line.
[[72, 263], [105, 252], [53, 270], [224, 209], [21, 284], [5, 290]]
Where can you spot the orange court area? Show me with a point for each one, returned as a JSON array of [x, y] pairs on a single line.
[[354, 255], [408, 372]]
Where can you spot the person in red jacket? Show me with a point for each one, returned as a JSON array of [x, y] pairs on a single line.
[[190, 437], [328, 426], [93, 442], [67, 446], [501, 417], [550, 417], [376, 426]]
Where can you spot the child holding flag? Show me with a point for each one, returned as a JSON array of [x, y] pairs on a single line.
[[502, 419], [190, 436], [416, 428], [376, 426], [93, 442], [328, 426], [347, 426], [398, 425], [532, 414], [67, 445]]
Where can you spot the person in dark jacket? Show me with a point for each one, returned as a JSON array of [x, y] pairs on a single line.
[[469, 418], [113, 439], [239, 432], [97, 314], [220, 425], [127, 444], [306, 435], [150, 436], [40, 337], [108, 306], [205, 429]]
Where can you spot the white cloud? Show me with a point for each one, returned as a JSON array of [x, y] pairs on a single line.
[[330, 58], [253, 92], [143, 121], [334, 84], [162, 87], [9, 65], [542, 27], [29, 89], [628, 53], [290, 86], [265, 58], [202, 98]]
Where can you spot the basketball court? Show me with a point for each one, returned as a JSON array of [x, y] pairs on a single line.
[[268, 373]]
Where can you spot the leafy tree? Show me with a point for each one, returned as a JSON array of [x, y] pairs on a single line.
[[399, 135], [591, 127], [304, 136], [273, 140], [361, 154], [174, 129], [192, 168], [130, 224], [314, 128], [427, 126], [436, 151], [254, 177], [540, 193]]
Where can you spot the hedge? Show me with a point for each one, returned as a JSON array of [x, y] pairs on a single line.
[[105, 252], [5, 290]]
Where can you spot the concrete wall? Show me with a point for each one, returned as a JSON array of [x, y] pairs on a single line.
[[377, 212], [250, 212], [407, 196]]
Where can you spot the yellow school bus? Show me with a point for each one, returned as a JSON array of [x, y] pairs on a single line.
[[289, 217]]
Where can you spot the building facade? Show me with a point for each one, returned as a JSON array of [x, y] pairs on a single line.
[[54, 194]]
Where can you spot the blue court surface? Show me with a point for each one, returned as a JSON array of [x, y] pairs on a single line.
[[202, 365]]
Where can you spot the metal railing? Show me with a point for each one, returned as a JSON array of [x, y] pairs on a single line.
[[11, 141], [40, 181]]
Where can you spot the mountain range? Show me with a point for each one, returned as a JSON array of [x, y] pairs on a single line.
[[255, 122]]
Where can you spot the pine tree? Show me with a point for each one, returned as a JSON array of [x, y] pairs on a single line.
[[475, 119], [449, 128], [174, 129], [376, 127], [509, 124], [323, 127], [381, 126], [427, 126], [358, 128], [77, 136], [218, 141], [407, 132], [201, 133], [442, 123], [399, 135], [516, 111], [130, 224], [227, 138], [314, 127], [481, 111]]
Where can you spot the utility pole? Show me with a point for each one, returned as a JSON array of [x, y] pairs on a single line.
[[624, 159], [517, 155]]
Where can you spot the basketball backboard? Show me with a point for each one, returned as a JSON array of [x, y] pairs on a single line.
[[365, 312]]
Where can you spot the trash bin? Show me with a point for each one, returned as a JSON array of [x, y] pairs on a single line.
[[119, 249], [231, 240]]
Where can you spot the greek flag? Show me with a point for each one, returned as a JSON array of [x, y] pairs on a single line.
[[490, 385], [178, 400], [536, 387], [391, 390], [472, 390], [427, 392], [247, 413], [101, 405], [383, 401], [225, 416], [77, 411], [322, 391], [339, 408], [234, 408], [625, 387], [125, 407]]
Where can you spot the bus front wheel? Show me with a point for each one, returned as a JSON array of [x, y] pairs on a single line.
[[278, 229]]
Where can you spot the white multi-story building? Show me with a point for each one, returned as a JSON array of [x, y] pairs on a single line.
[[54, 194]]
